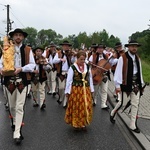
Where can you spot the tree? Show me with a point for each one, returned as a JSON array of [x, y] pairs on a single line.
[[46, 36], [144, 39], [112, 41], [104, 37], [72, 39], [82, 38], [32, 36]]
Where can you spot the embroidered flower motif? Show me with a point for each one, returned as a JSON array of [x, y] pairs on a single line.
[[11, 87], [20, 87]]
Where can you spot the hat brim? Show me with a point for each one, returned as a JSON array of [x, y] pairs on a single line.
[[118, 46], [93, 46], [42, 49], [12, 33], [137, 44], [65, 44], [101, 47], [52, 46]]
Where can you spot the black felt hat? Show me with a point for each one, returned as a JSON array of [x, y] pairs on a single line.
[[118, 44], [132, 42], [52, 44], [18, 31], [38, 48], [66, 43], [101, 46], [94, 45]]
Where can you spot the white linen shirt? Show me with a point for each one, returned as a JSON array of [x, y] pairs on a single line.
[[118, 71], [112, 61], [65, 66]]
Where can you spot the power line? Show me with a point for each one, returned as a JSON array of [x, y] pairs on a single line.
[[2, 4], [2, 28], [3, 8], [2, 34], [17, 19], [15, 25]]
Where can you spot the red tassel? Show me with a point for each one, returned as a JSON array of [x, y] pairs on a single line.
[[10, 116], [22, 124]]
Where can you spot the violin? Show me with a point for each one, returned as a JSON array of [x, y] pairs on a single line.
[[100, 70], [41, 60]]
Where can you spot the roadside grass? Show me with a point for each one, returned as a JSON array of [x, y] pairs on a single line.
[[146, 71]]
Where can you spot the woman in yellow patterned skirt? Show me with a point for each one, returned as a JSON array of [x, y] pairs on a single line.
[[79, 89]]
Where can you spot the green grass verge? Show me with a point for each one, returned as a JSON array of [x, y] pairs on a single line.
[[146, 71]]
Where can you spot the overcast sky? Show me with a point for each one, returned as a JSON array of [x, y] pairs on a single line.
[[118, 17]]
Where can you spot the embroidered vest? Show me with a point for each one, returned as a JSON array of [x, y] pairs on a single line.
[[96, 58], [127, 72], [59, 65], [42, 72], [77, 78], [26, 77]]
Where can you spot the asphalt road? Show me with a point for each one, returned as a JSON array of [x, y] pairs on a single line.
[[47, 130]]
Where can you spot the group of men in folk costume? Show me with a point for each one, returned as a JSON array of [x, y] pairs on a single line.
[[46, 66], [128, 79]]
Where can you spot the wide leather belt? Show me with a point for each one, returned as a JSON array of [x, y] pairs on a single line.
[[134, 78]]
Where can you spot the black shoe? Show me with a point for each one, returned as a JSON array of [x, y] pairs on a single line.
[[6, 107], [115, 96], [35, 105], [84, 128], [54, 94], [65, 106], [77, 129], [29, 95], [59, 102], [13, 128], [94, 104], [49, 93], [43, 106], [112, 120], [137, 130], [18, 140], [106, 108], [117, 100]]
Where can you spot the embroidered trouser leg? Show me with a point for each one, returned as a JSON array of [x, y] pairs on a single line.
[[29, 88], [48, 82], [53, 81], [120, 103], [42, 92], [5, 95], [104, 89], [62, 85], [96, 88], [34, 90], [116, 108], [16, 105], [134, 108]]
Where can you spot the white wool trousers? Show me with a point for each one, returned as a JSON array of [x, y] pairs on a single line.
[[135, 98], [16, 101]]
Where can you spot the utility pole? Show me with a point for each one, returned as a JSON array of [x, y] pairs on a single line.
[[149, 25], [9, 23], [8, 20]]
